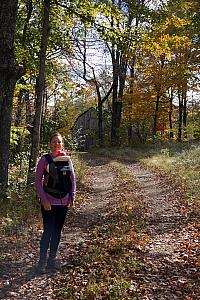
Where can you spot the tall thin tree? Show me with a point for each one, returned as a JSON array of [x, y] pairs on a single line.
[[40, 88]]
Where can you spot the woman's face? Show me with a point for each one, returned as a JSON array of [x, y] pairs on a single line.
[[56, 143]]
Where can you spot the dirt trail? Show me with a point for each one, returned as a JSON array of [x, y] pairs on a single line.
[[168, 264], [18, 279], [171, 271], [78, 223]]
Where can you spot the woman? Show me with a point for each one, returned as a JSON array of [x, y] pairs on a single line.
[[54, 205]]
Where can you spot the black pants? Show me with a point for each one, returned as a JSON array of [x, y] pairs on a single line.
[[53, 221]]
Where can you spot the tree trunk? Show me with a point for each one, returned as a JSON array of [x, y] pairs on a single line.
[[180, 119], [100, 121], [19, 107], [99, 109], [119, 62], [114, 136], [130, 104], [44, 113], [40, 87], [100, 112], [130, 134], [158, 95], [119, 76], [122, 78], [185, 113], [117, 106], [9, 74], [171, 135], [28, 109], [156, 114]]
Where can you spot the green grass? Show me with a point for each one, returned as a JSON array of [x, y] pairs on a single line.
[[18, 210], [183, 165]]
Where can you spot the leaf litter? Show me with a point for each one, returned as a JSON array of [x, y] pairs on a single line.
[[132, 236]]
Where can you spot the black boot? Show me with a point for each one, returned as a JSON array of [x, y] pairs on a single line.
[[53, 264], [41, 266]]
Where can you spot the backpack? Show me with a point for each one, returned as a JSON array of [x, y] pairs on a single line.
[[59, 170]]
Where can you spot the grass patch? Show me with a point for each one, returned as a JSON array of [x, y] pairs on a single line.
[[18, 210], [183, 165]]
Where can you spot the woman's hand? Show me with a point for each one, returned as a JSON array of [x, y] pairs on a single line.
[[71, 203], [47, 206]]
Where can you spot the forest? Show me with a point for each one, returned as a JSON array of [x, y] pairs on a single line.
[[119, 79], [135, 62]]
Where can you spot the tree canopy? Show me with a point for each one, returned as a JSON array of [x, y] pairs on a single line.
[[136, 62]]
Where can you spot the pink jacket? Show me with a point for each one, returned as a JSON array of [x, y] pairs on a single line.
[[39, 178]]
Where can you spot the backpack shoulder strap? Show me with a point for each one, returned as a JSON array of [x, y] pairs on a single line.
[[50, 162], [52, 169], [48, 158]]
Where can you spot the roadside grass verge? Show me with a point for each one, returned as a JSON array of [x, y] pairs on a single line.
[[183, 166], [112, 254], [181, 161]]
